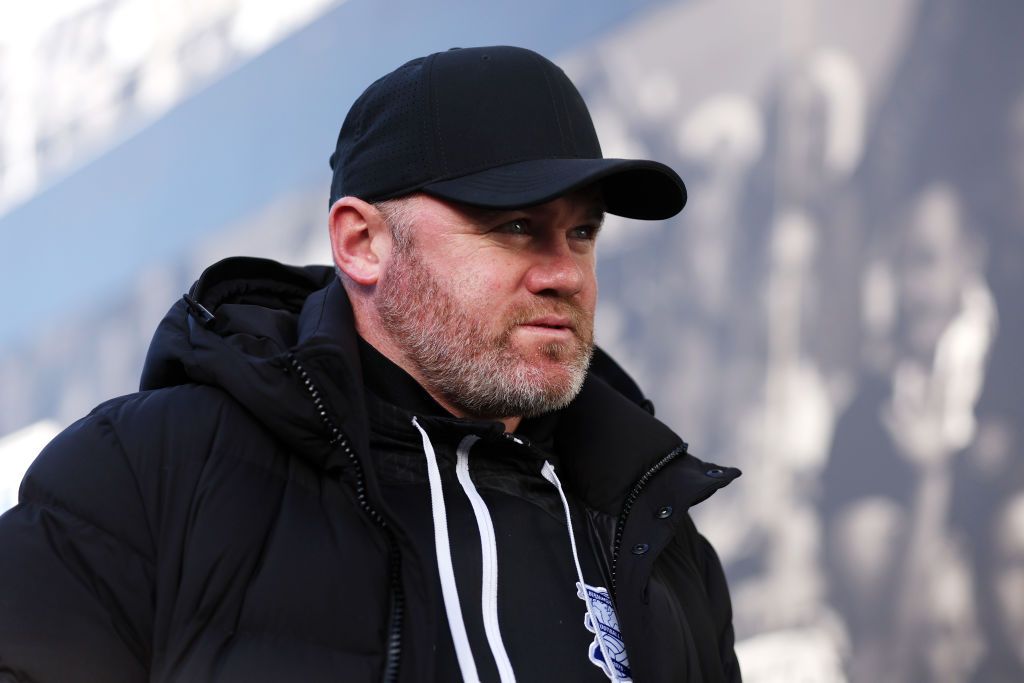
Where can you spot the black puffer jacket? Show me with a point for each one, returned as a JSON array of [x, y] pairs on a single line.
[[226, 522]]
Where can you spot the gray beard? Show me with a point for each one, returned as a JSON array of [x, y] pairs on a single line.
[[479, 376]]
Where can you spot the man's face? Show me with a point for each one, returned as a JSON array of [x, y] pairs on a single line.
[[495, 309]]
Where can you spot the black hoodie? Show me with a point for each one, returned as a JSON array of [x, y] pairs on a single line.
[[237, 518]]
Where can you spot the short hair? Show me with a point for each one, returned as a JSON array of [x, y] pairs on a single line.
[[398, 214]]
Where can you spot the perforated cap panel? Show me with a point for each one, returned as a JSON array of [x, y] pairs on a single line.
[[451, 122]]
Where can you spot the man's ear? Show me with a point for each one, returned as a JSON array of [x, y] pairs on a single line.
[[360, 239]]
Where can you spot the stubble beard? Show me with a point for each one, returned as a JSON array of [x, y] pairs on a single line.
[[478, 373]]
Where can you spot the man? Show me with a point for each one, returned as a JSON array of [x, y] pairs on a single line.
[[413, 470]]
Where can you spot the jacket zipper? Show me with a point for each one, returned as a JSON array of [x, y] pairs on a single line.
[[397, 595], [627, 506]]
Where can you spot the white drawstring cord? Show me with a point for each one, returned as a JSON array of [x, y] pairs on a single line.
[[489, 562], [449, 591], [548, 471]]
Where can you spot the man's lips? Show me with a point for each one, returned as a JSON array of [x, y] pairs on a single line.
[[550, 325], [554, 322]]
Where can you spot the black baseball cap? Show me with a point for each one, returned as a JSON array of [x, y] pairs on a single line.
[[497, 127]]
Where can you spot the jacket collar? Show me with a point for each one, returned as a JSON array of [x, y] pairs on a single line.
[[267, 317]]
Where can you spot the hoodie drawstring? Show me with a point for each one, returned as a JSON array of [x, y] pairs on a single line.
[[548, 472], [489, 561], [489, 552], [449, 590]]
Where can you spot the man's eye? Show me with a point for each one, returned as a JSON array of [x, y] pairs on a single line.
[[584, 232], [516, 227]]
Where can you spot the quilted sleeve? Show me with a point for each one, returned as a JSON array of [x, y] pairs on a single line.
[[76, 567]]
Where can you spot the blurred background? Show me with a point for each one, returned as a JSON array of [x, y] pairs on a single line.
[[835, 312]]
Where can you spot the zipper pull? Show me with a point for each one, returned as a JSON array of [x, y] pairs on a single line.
[[518, 440], [198, 311]]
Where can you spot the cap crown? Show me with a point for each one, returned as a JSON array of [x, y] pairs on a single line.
[[455, 113]]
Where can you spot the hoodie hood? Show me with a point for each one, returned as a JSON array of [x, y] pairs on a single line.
[[240, 326], [247, 321]]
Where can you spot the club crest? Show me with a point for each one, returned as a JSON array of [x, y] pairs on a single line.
[[607, 651]]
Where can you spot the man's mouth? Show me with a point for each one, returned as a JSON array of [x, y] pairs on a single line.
[[550, 325], [553, 322]]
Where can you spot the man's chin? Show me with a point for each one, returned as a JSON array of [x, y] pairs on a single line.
[[554, 363], [557, 372]]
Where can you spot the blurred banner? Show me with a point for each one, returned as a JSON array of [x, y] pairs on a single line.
[[834, 312]]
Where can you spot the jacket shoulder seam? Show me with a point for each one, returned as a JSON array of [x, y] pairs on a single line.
[[104, 418], [41, 499]]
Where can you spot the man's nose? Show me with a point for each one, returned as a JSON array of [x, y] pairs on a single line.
[[556, 271]]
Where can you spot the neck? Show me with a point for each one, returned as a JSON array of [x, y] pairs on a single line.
[[511, 423], [389, 350]]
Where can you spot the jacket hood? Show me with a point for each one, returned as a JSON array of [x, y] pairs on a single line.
[[247, 324], [239, 328]]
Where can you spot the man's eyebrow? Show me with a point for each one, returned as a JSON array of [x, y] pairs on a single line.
[[481, 214], [594, 213]]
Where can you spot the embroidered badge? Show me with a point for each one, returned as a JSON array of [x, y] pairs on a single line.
[[607, 651]]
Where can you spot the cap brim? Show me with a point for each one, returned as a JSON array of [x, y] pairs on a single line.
[[647, 190]]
